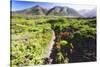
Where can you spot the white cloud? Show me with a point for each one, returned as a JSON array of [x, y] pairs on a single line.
[[89, 2], [79, 4], [80, 7]]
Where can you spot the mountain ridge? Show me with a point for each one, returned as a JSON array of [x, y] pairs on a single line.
[[54, 11], [88, 13]]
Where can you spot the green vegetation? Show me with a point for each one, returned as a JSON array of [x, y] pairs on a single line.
[[63, 42], [31, 36], [29, 40], [75, 38]]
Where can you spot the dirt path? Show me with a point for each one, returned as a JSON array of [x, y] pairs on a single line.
[[50, 45]]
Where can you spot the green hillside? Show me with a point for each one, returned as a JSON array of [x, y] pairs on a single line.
[[30, 36]]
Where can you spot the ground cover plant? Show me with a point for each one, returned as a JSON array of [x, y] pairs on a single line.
[[75, 40]]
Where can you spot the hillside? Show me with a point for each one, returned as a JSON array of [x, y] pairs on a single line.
[[63, 11], [88, 13], [36, 10], [56, 11]]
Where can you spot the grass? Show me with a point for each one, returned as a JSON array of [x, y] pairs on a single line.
[[31, 36]]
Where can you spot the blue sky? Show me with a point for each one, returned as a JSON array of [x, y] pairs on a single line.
[[20, 5]]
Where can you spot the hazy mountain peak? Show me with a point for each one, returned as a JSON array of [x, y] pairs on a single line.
[[88, 13], [37, 6]]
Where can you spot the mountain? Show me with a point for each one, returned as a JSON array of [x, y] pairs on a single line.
[[88, 13], [36, 10], [55, 11], [83, 11], [63, 11]]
